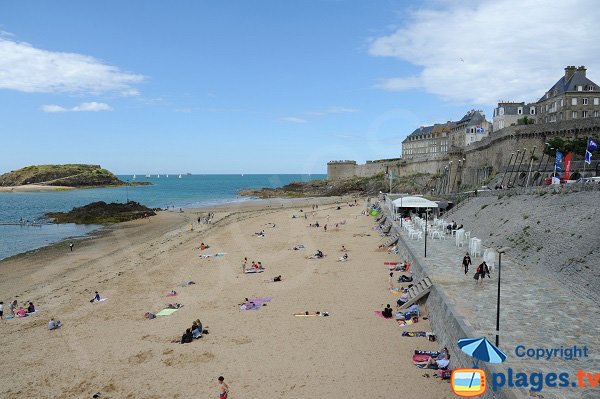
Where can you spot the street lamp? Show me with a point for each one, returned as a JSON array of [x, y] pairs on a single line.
[[500, 252], [426, 221]]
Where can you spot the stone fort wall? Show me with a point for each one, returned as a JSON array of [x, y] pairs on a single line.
[[481, 159]]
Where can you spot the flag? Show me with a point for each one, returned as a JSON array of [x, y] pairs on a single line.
[[588, 157], [558, 160], [592, 145], [568, 166]]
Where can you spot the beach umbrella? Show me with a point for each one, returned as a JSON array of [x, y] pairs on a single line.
[[481, 349]]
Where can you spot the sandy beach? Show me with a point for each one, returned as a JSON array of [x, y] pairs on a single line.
[[33, 188], [110, 347]]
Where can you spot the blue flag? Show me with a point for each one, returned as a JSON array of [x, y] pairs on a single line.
[[558, 160], [592, 145], [588, 157]]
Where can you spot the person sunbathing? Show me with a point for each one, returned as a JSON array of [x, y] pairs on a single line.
[[276, 279], [319, 254], [404, 297], [187, 336], [174, 306], [196, 331], [405, 279], [438, 363], [387, 312], [343, 258], [299, 247], [21, 312], [54, 324]]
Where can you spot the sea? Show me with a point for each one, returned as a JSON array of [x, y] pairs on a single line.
[[23, 227]]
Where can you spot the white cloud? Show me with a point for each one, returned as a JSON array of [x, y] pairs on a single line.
[[32, 70], [91, 106], [485, 51], [54, 108], [292, 119]]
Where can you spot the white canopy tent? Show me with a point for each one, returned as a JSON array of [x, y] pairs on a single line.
[[400, 204]]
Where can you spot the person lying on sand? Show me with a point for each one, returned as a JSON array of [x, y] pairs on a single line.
[[343, 258], [318, 255], [276, 279], [21, 312], [298, 247], [203, 246], [307, 313], [174, 306]]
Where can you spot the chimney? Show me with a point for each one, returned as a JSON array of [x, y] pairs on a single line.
[[569, 71], [581, 70]]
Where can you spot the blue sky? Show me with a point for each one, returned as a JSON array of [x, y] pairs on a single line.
[[263, 86]]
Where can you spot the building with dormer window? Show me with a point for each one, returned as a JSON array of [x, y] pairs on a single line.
[[574, 96], [426, 141]]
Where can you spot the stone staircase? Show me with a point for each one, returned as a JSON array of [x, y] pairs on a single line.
[[417, 292]]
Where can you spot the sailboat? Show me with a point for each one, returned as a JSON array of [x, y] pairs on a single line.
[[134, 177], [167, 176], [180, 176], [158, 176]]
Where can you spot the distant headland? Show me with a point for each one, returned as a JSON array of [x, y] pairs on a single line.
[[60, 177]]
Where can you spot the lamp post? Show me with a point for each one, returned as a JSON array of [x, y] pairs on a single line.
[[500, 252], [426, 221]]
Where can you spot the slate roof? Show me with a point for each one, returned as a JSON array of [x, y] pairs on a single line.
[[563, 85], [420, 131]]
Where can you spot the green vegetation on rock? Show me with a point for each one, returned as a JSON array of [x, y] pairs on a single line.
[[70, 175], [102, 213]]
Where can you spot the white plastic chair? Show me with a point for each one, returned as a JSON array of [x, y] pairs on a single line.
[[489, 257]]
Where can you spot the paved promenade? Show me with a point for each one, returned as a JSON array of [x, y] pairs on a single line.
[[536, 311]]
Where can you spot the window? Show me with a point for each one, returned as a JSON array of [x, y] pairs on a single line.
[[531, 110], [501, 110], [562, 103], [584, 101], [574, 115], [579, 88], [520, 110], [590, 88], [595, 114], [584, 114], [574, 101], [501, 124], [596, 101]]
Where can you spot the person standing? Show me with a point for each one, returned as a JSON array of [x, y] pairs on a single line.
[[223, 388], [1, 310], [71, 246], [466, 262]]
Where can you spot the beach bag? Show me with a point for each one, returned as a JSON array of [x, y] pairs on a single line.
[[431, 338], [444, 374], [476, 276]]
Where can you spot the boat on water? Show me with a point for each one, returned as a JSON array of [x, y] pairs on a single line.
[[134, 177], [148, 175], [158, 176], [167, 176], [180, 176]]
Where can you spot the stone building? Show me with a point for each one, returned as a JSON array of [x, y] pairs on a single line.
[[508, 113], [426, 142], [471, 128], [574, 96]]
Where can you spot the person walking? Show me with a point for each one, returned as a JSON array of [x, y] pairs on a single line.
[[223, 388], [71, 246], [482, 271], [466, 262]]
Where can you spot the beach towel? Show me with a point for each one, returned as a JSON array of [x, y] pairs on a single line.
[[421, 358], [430, 353], [257, 303], [414, 334], [100, 300], [166, 312], [396, 291], [171, 295], [403, 323], [379, 313], [323, 314], [253, 271]]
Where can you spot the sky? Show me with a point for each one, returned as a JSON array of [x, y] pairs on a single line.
[[267, 86]]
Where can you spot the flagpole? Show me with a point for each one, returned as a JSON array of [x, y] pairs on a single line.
[[587, 146]]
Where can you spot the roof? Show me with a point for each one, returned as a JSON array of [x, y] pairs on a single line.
[[472, 117], [420, 131], [563, 85], [414, 202]]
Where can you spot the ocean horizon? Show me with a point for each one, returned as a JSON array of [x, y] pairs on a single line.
[[189, 191]]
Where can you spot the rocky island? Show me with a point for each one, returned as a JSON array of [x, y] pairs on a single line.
[[40, 177], [102, 213], [362, 186]]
